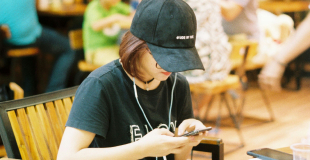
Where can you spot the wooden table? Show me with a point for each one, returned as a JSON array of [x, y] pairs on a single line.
[[280, 6], [286, 150], [64, 10]]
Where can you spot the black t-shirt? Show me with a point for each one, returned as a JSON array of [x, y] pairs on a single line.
[[105, 104]]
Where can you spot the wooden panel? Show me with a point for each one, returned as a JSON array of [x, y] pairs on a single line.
[[76, 39], [20, 140], [40, 141], [63, 116], [64, 10], [27, 134], [2, 151], [18, 91], [47, 130], [23, 52], [216, 87], [68, 104], [54, 121], [277, 7], [87, 67]]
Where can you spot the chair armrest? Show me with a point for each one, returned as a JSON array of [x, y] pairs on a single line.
[[212, 140], [18, 91]]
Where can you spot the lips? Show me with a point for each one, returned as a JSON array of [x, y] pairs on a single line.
[[166, 73]]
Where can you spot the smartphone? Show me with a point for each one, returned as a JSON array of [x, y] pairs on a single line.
[[270, 154], [196, 132]]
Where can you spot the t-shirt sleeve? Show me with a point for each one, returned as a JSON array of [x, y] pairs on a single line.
[[90, 111], [184, 101], [242, 3], [92, 12]]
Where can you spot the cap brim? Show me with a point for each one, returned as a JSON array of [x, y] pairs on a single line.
[[176, 59]]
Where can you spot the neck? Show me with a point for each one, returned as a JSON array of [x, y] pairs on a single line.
[[147, 84], [152, 83]]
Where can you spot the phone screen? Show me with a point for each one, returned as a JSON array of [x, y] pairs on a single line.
[[270, 154]]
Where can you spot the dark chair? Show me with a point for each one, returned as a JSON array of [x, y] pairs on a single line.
[[15, 52], [33, 127], [12, 91]]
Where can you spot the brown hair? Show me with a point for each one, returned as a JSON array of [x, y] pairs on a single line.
[[131, 49]]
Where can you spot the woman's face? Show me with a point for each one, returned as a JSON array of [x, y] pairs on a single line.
[[150, 69]]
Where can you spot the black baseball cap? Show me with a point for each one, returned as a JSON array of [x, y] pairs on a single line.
[[169, 29]]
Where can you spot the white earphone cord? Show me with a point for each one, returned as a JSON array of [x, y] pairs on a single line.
[[169, 116]]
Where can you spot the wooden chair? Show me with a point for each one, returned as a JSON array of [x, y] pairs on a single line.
[[15, 53], [18, 94], [239, 55], [76, 43], [249, 65], [32, 128]]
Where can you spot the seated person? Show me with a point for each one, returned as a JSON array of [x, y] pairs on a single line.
[[239, 16], [244, 17], [211, 42], [21, 19], [103, 21], [275, 29], [131, 107], [213, 48], [298, 42]]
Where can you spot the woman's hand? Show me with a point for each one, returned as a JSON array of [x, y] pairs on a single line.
[[161, 142], [191, 125], [270, 76]]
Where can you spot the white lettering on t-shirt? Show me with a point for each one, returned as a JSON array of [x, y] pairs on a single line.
[[147, 129], [135, 133]]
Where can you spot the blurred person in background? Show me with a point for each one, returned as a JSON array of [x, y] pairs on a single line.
[[20, 17], [239, 16], [212, 46], [103, 22], [243, 18], [271, 74], [240, 22]]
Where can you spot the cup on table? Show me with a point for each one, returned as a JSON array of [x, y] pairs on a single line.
[[301, 151]]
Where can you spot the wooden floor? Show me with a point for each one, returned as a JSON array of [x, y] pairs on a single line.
[[292, 122]]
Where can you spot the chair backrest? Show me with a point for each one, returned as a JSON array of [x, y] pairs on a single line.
[[18, 91], [31, 128], [76, 39], [239, 50], [76, 43], [16, 52]]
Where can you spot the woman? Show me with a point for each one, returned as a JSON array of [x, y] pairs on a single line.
[[129, 108]]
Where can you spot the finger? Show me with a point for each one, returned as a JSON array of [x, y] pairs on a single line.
[[182, 127], [166, 132]]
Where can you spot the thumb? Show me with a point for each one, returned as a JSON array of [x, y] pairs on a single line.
[[185, 126]]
